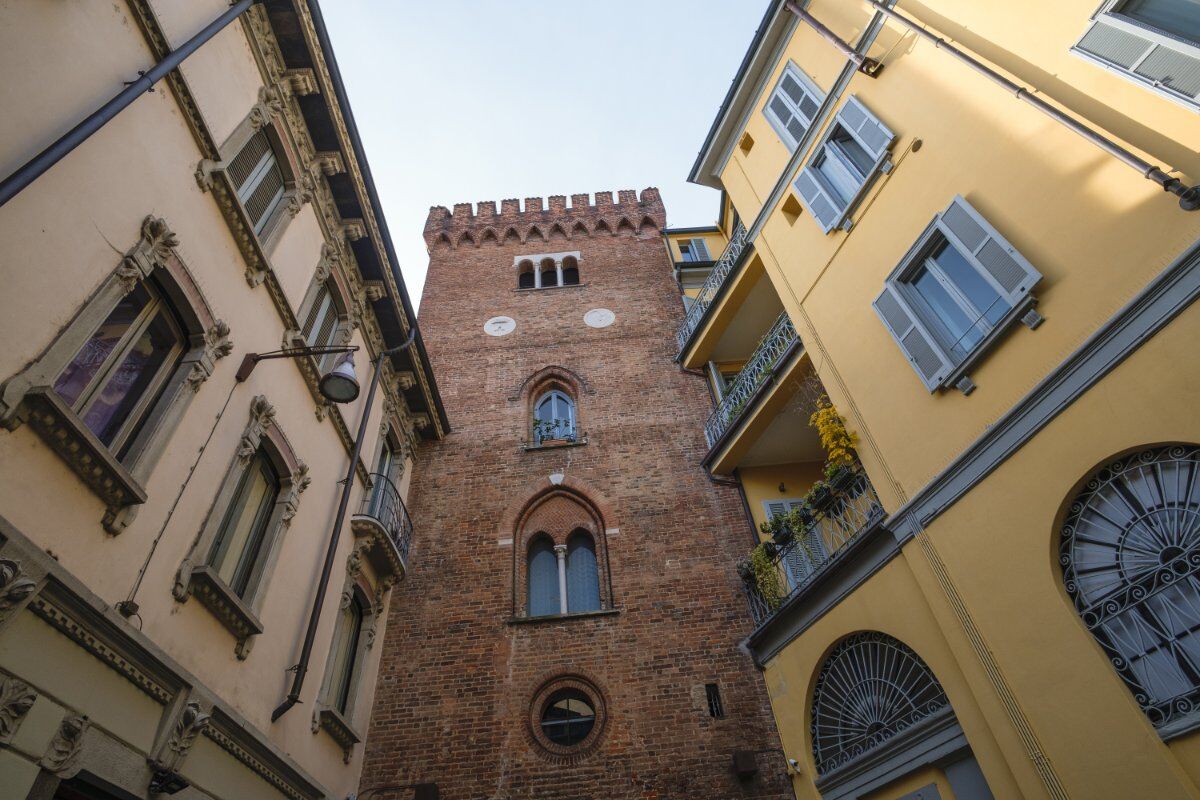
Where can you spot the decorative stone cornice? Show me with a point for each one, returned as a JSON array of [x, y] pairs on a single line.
[[16, 698], [66, 745]]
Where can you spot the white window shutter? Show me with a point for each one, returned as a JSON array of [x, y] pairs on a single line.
[[817, 200], [700, 248], [991, 253], [872, 134], [1145, 56], [914, 340]]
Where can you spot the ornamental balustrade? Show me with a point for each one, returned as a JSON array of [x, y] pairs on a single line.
[[843, 514], [385, 505], [712, 285], [767, 356]]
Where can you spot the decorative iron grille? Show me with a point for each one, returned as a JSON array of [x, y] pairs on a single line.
[[870, 688], [766, 357], [850, 509], [712, 285], [385, 505], [1130, 553]]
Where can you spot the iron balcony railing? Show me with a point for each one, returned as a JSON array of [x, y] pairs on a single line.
[[386, 507], [712, 285], [839, 517], [767, 356]]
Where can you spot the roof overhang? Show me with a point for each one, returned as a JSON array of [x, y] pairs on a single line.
[[772, 36]]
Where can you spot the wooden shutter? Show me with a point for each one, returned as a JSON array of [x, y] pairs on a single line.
[[987, 250], [775, 508], [244, 164], [914, 340], [314, 313], [864, 126], [818, 202], [700, 250], [1143, 54], [793, 105], [259, 181]]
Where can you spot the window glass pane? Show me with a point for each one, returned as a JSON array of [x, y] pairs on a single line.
[[240, 536], [525, 280], [796, 128], [568, 717], [974, 287], [543, 580], [571, 276], [781, 110], [945, 316], [808, 107], [853, 152], [124, 386], [1180, 17], [583, 579], [842, 184], [346, 649], [792, 89], [91, 357], [549, 277]]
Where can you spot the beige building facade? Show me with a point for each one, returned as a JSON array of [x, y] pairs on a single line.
[[164, 516]]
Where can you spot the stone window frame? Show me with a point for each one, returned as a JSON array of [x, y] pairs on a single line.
[[524, 537], [535, 263], [343, 726], [28, 396], [340, 292], [196, 577], [545, 381], [552, 751], [265, 116]]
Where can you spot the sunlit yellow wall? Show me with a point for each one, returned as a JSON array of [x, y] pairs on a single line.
[[1098, 232], [762, 484], [715, 241]]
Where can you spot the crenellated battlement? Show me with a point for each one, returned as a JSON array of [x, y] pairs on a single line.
[[547, 219]]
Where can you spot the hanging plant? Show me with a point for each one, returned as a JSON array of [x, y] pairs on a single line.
[[766, 576], [837, 441]]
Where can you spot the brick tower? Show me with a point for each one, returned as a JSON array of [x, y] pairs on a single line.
[[571, 481]]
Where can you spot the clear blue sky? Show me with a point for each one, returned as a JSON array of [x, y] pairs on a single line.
[[467, 100]]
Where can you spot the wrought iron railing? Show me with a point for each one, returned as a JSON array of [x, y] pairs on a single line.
[[712, 285], [545, 430], [839, 518], [386, 507], [766, 357]]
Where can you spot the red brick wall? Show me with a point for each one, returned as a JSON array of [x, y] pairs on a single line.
[[458, 676]]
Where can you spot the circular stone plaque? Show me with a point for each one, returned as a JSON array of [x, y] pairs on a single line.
[[599, 318], [499, 326]]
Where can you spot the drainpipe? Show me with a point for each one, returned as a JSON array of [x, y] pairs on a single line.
[[1189, 197], [33, 169], [866, 65]]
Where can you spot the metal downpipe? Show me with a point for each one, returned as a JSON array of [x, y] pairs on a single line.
[[26, 174], [1189, 197], [866, 65]]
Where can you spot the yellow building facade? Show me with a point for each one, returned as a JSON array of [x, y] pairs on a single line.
[[952, 235], [180, 613]]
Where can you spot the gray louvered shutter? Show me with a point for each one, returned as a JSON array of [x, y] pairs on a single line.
[[990, 252], [1151, 58], [247, 160], [775, 508], [700, 248], [918, 346], [314, 312], [866, 127], [817, 200]]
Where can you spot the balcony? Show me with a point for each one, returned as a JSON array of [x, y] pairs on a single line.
[[712, 286], [839, 519], [384, 520], [778, 343]]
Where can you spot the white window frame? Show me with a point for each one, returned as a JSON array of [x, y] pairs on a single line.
[[908, 321], [1109, 16], [809, 86]]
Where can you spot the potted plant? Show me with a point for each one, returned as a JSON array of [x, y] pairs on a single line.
[[819, 496], [843, 479], [548, 432], [766, 575]]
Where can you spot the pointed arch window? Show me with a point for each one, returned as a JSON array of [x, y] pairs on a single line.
[[1130, 552], [583, 577], [544, 597], [554, 417]]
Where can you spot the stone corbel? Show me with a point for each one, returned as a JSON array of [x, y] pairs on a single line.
[[217, 345], [15, 588], [269, 107], [204, 172], [406, 380], [354, 229], [331, 258], [63, 752], [262, 415], [303, 192], [300, 481], [170, 754], [303, 82], [16, 698], [330, 162], [420, 421], [374, 291], [151, 251]]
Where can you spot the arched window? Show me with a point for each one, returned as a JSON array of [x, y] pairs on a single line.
[[554, 417], [870, 689], [549, 272], [259, 180], [525, 275], [570, 271], [543, 578], [583, 577], [1130, 552]]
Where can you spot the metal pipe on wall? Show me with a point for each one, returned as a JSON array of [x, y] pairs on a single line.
[[26, 174], [866, 65]]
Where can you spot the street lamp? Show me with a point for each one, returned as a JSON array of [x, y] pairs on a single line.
[[337, 386]]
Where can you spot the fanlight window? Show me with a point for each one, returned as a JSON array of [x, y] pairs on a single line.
[[1130, 553], [553, 417], [870, 688]]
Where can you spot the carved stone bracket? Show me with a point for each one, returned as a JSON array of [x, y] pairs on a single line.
[[217, 345], [262, 415], [16, 698], [302, 81], [150, 251], [63, 752], [188, 725], [15, 587], [353, 229], [330, 162], [269, 106]]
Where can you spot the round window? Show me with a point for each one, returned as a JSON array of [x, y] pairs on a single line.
[[568, 717]]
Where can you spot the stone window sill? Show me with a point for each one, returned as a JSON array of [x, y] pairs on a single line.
[[229, 609], [604, 612], [339, 728], [86, 455], [550, 288], [554, 445]]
